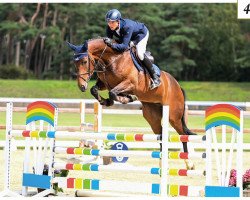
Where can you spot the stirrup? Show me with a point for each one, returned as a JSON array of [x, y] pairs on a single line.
[[154, 85]]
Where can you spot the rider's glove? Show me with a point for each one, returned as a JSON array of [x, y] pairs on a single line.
[[108, 41]]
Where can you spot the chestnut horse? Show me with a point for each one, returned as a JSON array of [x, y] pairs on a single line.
[[117, 74]]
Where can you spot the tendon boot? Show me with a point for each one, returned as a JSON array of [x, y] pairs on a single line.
[[155, 79]]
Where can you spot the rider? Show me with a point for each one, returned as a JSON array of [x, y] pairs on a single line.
[[130, 33]]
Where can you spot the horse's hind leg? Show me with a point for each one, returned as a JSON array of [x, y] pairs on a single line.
[[153, 114], [120, 92], [176, 114]]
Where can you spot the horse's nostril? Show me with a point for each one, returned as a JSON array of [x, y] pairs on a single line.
[[83, 88]]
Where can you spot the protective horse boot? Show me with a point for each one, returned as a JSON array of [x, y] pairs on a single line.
[[155, 79]]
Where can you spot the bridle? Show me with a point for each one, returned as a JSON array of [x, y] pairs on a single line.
[[98, 66]]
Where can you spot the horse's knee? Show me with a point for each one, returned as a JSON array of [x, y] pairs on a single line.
[[94, 90], [100, 85]]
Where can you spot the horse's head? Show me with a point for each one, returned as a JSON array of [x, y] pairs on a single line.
[[90, 57], [83, 66]]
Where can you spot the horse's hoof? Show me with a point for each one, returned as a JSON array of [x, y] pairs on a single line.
[[113, 96], [107, 160], [109, 102], [103, 103], [189, 165]]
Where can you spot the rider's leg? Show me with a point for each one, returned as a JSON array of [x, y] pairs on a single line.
[[141, 49], [156, 81]]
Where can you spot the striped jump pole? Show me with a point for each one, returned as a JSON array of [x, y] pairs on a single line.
[[122, 153], [108, 168], [131, 169], [183, 155], [187, 138], [122, 137], [102, 152]]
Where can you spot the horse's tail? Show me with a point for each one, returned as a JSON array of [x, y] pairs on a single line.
[[185, 128]]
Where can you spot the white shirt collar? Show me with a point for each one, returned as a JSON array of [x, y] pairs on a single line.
[[118, 30]]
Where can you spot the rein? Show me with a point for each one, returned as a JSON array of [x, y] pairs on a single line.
[[97, 64]]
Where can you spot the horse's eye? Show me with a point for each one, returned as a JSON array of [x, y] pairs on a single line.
[[84, 62]]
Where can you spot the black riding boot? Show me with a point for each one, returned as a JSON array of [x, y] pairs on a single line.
[[156, 81]]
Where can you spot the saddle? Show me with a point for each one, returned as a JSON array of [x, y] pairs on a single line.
[[138, 64]]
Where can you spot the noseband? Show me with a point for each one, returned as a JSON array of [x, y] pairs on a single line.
[[97, 65]]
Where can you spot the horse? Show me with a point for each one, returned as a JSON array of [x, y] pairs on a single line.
[[117, 73]]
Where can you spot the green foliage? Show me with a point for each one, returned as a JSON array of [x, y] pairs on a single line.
[[9, 26], [52, 37], [222, 42], [204, 42], [8, 11], [28, 32], [12, 72]]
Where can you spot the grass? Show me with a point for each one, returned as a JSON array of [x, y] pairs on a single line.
[[217, 91], [196, 91], [43, 89]]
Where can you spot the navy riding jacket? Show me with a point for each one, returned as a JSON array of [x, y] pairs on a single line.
[[129, 31]]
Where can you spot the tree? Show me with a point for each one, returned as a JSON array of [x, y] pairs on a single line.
[[220, 42], [191, 41]]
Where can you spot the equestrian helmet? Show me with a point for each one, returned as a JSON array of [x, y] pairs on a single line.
[[113, 15]]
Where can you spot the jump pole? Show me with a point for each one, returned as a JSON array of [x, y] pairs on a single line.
[[7, 153], [97, 125], [164, 150]]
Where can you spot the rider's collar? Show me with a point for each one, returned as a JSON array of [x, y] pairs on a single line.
[[117, 30], [122, 23]]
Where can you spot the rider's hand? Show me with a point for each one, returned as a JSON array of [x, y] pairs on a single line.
[[108, 41]]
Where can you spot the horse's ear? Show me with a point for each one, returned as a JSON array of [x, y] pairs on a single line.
[[85, 47], [73, 47]]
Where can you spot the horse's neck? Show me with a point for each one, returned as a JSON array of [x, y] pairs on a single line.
[[98, 48]]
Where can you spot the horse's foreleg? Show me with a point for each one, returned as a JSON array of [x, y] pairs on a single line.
[[94, 91], [119, 92]]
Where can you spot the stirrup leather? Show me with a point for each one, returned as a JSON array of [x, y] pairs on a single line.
[[153, 85]]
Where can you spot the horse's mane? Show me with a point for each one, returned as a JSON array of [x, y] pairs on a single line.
[[97, 38], [101, 38]]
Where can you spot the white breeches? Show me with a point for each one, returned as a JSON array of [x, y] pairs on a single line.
[[141, 46]]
